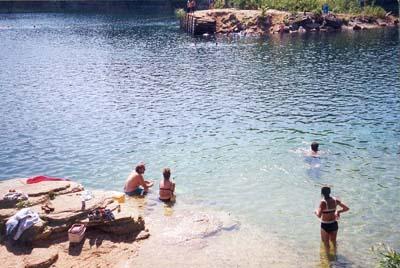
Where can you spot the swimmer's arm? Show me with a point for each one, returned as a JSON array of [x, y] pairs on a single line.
[[173, 187], [343, 206], [143, 183], [149, 183], [318, 211]]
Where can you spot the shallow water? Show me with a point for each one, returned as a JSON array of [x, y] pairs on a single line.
[[88, 96]]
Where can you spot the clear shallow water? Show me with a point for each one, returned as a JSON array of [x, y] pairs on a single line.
[[88, 96]]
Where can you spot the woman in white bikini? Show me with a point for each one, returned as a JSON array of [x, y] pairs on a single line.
[[329, 215]]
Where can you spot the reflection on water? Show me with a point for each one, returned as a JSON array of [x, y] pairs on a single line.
[[327, 257], [88, 96]]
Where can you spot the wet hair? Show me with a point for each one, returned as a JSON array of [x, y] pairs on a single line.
[[166, 173], [314, 146], [325, 192], [139, 167]]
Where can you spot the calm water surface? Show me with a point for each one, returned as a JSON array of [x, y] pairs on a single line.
[[88, 96]]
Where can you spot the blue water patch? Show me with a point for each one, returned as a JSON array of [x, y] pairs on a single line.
[[88, 96]]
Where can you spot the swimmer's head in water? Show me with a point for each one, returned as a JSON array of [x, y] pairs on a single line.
[[140, 168], [325, 192], [166, 173], [314, 146]]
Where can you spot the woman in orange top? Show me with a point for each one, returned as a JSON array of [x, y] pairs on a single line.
[[167, 186]]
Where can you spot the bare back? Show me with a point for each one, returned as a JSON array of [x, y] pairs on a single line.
[[133, 181], [167, 188], [328, 209]]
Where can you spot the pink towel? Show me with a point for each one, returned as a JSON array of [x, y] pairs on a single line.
[[40, 178]]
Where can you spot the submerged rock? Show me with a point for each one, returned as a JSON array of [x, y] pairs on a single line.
[[190, 227]]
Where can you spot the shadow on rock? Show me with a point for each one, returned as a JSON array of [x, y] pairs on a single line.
[[17, 248], [75, 249]]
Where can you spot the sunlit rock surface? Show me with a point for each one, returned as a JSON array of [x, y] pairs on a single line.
[[256, 22]]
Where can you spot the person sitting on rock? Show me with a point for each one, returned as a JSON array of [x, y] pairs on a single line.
[[167, 186], [135, 183]]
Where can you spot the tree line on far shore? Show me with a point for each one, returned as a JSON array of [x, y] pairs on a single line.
[[357, 7]]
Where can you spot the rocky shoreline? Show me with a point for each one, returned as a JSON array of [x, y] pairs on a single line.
[[51, 230], [107, 243], [257, 22]]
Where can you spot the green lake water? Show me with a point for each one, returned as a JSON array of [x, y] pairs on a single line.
[[86, 96]]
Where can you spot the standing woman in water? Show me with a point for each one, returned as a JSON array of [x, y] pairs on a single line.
[[329, 215]]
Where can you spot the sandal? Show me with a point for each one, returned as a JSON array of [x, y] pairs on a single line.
[[48, 207]]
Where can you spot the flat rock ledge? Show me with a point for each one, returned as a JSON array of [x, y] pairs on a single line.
[[40, 258], [255, 22], [52, 229]]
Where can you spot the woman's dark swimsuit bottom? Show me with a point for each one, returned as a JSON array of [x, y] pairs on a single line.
[[330, 227], [165, 200]]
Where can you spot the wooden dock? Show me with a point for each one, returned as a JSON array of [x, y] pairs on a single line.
[[194, 25]]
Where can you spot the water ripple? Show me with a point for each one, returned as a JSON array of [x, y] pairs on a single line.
[[87, 96]]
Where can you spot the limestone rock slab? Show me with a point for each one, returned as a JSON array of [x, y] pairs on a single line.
[[68, 207], [34, 189]]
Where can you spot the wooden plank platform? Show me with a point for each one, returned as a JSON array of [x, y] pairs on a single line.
[[197, 26]]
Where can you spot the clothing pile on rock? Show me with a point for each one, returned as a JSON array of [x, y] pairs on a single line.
[[21, 221], [12, 198], [15, 196], [101, 214]]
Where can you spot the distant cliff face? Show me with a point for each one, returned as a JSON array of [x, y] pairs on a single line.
[[90, 5]]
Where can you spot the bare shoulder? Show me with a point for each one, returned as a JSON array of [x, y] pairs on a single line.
[[133, 175], [337, 200]]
